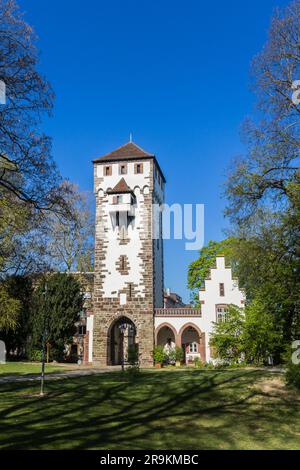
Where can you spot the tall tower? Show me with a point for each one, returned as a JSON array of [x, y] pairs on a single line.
[[129, 185]]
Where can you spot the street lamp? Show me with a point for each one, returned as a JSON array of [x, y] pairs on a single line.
[[45, 333]]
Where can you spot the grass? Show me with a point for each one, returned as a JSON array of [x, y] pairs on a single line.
[[25, 368], [192, 409]]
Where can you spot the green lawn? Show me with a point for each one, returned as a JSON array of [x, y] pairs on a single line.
[[23, 368], [192, 409]]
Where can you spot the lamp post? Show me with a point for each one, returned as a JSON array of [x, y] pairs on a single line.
[[45, 333], [122, 329]]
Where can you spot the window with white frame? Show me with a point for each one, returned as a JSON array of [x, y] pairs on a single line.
[[222, 311], [193, 347]]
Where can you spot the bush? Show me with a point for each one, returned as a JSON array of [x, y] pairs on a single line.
[[292, 375], [198, 363], [170, 358], [132, 372], [158, 355], [179, 354], [35, 355]]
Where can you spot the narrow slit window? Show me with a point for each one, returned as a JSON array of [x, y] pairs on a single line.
[[222, 290]]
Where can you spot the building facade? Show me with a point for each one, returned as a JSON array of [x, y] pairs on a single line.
[[191, 328], [130, 310], [128, 279]]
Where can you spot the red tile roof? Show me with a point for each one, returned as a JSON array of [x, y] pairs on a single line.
[[129, 151], [121, 187]]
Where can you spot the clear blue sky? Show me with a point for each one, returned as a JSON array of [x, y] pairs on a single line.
[[175, 73]]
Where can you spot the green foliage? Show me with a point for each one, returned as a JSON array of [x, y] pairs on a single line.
[[227, 336], [292, 375], [198, 363], [34, 355], [262, 337], [179, 354], [10, 308], [263, 190], [55, 311], [158, 355], [20, 289]]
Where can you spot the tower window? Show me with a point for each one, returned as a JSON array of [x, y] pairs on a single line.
[[222, 290], [138, 168], [107, 171], [123, 263], [130, 289], [123, 169], [118, 219]]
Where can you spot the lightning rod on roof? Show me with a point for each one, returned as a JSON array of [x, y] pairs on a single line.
[[130, 137]]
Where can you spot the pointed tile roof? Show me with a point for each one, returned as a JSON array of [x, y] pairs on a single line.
[[121, 187], [129, 151]]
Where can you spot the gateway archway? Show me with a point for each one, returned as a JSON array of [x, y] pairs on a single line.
[[122, 337]]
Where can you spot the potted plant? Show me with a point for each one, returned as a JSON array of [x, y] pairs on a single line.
[[179, 356], [158, 356]]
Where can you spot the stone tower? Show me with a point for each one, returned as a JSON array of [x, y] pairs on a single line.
[[128, 282]]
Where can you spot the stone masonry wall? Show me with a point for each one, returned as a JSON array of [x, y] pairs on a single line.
[[138, 308]]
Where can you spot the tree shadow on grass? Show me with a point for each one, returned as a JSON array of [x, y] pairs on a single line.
[[186, 410]]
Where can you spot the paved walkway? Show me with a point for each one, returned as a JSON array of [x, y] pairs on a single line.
[[68, 374]]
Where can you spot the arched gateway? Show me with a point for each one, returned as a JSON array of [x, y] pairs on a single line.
[[122, 338]]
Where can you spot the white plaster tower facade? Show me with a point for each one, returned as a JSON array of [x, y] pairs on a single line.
[[128, 282]]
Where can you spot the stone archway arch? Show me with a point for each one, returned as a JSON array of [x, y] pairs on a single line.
[[166, 325], [189, 325], [202, 345], [118, 341]]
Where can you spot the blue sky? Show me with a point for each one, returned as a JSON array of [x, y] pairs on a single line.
[[174, 73]]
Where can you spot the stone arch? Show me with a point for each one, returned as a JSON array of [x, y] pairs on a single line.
[[166, 325], [146, 190], [137, 190], [118, 343], [189, 325], [201, 335]]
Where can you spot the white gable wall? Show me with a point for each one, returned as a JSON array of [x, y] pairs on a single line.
[[209, 298]]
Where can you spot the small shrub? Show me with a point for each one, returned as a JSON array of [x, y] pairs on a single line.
[[292, 375], [209, 366], [171, 357], [179, 354], [158, 355], [35, 355], [198, 363], [132, 372]]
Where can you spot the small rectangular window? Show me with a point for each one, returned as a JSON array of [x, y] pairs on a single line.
[[117, 219], [222, 290], [107, 171], [82, 329], [138, 168], [123, 169]]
